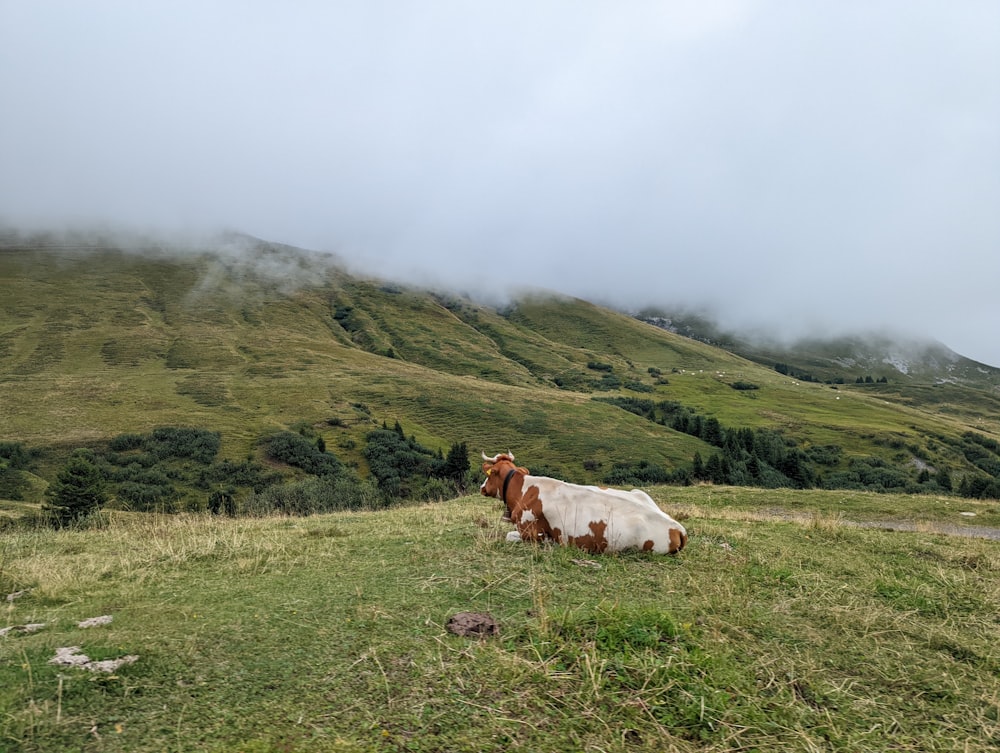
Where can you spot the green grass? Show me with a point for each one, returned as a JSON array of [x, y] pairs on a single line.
[[328, 633], [839, 507], [98, 343]]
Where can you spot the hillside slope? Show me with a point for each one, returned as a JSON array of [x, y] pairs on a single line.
[[900, 359], [246, 338]]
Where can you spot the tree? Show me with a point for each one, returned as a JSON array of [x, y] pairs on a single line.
[[77, 491], [714, 470], [712, 431], [456, 464], [698, 467]]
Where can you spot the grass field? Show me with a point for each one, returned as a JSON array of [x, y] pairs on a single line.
[[781, 627], [97, 342]]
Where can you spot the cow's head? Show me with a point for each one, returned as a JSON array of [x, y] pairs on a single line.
[[496, 469]]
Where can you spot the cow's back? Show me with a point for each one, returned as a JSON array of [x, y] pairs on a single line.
[[605, 520]]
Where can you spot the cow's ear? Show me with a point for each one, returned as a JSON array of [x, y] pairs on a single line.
[[487, 468]]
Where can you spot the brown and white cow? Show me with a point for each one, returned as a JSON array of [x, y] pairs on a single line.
[[589, 517]]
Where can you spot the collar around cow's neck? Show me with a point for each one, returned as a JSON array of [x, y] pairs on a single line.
[[506, 482]]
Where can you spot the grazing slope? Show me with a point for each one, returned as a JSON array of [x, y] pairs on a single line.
[[328, 633], [248, 338]]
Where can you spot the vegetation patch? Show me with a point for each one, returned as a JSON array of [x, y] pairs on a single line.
[[204, 389], [763, 457], [763, 634]]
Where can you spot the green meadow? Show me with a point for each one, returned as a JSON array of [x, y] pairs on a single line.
[[95, 342], [781, 627], [811, 619]]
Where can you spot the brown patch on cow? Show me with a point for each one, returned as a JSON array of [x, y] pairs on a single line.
[[472, 623], [647, 545], [677, 540], [596, 541], [528, 501]]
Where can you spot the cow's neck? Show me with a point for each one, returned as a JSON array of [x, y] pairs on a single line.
[[506, 483]]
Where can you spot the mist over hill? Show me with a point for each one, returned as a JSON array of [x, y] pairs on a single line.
[[876, 352], [105, 336]]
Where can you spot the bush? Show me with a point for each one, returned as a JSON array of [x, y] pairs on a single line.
[[173, 442], [399, 465], [12, 484], [249, 473], [315, 495], [978, 486], [297, 451], [140, 497], [636, 386], [17, 457], [643, 472], [870, 473], [126, 442]]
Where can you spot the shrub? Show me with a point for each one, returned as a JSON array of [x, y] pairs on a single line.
[[297, 451], [398, 464], [643, 472], [636, 386], [15, 454], [249, 473], [141, 497], [315, 495], [126, 442], [176, 442]]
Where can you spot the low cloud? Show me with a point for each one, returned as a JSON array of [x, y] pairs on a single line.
[[793, 167]]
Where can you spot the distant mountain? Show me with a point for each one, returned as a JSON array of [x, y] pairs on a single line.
[[102, 336], [848, 357]]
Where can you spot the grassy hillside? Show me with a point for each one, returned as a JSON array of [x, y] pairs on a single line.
[[248, 338], [794, 620], [902, 360], [780, 627]]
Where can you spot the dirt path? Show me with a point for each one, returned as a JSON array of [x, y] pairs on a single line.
[[949, 529], [975, 532]]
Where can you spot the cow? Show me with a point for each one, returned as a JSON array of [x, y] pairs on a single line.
[[591, 518]]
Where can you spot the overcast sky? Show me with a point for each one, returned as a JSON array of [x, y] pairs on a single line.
[[803, 165]]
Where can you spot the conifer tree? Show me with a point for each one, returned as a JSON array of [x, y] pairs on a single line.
[[698, 467], [77, 491], [456, 465]]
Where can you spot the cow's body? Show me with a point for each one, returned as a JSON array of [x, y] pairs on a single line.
[[589, 517]]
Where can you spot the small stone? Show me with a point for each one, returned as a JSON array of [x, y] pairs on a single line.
[[31, 627], [104, 619], [473, 623]]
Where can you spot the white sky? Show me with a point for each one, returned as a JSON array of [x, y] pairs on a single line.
[[809, 165]]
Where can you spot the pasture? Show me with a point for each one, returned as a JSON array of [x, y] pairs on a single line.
[[781, 627]]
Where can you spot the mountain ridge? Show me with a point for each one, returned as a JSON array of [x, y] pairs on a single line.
[[872, 353], [248, 338]]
